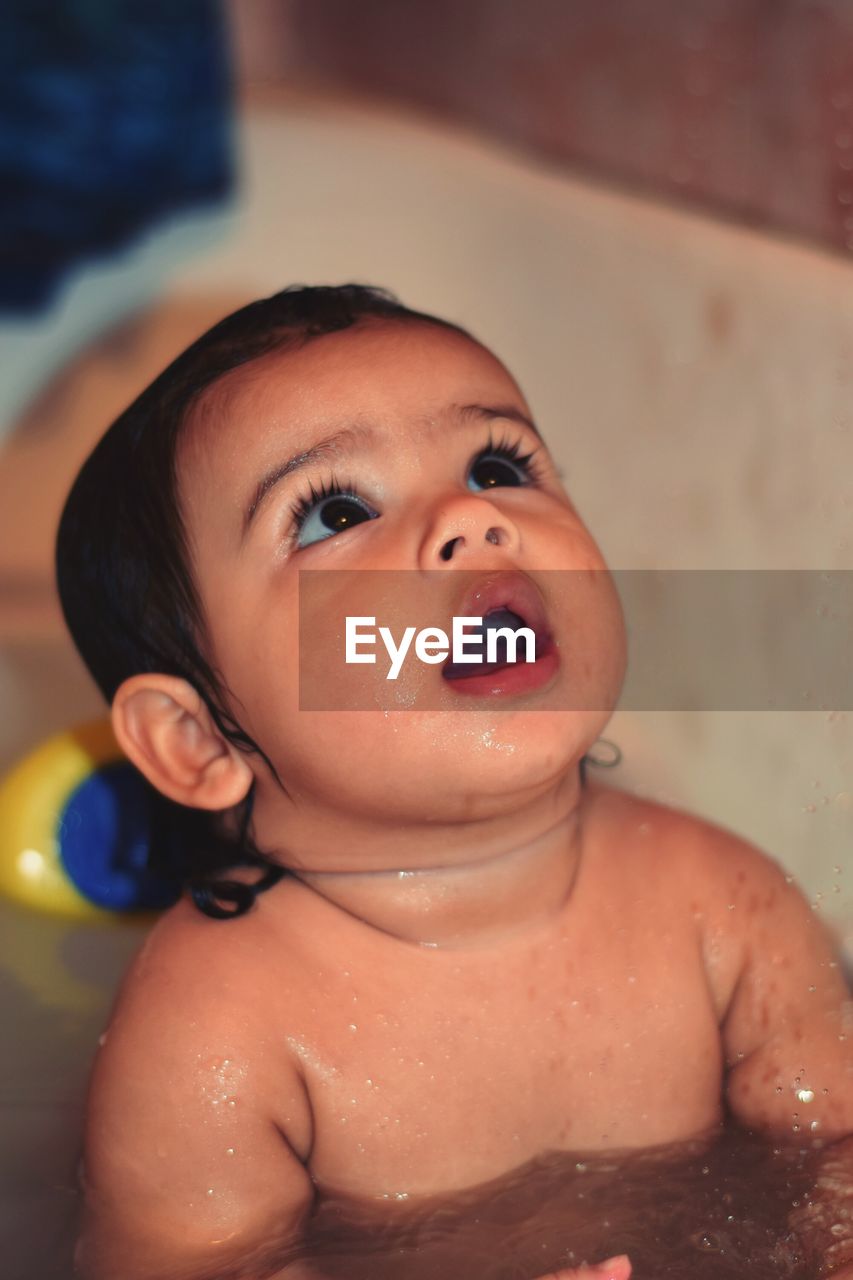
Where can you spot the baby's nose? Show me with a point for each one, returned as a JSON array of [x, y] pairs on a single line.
[[464, 527], [498, 537]]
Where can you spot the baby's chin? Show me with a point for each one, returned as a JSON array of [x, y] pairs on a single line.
[[464, 764]]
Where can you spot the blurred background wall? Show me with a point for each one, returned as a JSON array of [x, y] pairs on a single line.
[[744, 107]]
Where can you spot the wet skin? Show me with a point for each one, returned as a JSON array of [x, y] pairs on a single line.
[[475, 959]]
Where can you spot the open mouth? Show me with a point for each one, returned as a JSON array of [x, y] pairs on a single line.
[[505, 602]]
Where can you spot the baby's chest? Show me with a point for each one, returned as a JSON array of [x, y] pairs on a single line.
[[457, 1077]]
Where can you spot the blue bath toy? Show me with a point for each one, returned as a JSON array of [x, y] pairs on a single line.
[[74, 832]]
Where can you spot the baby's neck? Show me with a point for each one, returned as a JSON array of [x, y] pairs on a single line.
[[476, 901]]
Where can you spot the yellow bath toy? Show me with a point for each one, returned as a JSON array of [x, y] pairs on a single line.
[[73, 829]]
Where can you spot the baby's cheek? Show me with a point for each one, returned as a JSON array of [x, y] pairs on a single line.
[[592, 640]]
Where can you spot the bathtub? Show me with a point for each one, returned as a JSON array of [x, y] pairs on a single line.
[[712, 363]]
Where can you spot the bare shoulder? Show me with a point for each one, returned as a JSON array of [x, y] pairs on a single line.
[[713, 878], [716, 860], [183, 1148]]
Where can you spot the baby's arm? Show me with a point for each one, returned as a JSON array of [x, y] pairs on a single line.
[[187, 1173], [787, 1029]]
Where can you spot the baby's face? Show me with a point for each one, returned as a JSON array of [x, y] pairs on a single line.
[[413, 407]]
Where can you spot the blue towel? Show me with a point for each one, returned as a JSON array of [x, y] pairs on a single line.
[[114, 114]]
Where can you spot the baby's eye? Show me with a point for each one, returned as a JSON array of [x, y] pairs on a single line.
[[332, 510], [335, 507], [501, 464]]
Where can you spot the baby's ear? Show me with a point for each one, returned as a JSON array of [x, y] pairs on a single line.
[[165, 728]]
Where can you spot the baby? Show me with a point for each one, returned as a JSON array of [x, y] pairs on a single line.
[[447, 950]]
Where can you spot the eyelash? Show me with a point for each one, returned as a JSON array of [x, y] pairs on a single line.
[[503, 448]]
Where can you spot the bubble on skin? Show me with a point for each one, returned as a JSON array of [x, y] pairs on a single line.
[[310, 1059], [221, 1078], [487, 739]]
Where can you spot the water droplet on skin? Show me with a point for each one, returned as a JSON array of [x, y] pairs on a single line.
[[789, 879], [815, 1124], [210, 1191], [805, 1095], [401, 1195], [102, 1039], [229, 1151], [353, 1026]]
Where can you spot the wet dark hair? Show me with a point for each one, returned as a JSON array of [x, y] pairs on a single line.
[[123, 567]]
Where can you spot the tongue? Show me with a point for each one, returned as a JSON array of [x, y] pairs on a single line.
[[475, 646]]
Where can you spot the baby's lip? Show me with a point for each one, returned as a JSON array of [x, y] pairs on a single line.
[[508, 589]]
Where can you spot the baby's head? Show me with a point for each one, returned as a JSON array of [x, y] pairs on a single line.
[[178, 558]]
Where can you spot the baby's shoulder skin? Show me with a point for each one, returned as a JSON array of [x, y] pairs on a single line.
[[732, 891], [184, 1161], [774, 971]]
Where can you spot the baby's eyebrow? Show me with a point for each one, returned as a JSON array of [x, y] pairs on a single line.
[[347, 439]]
